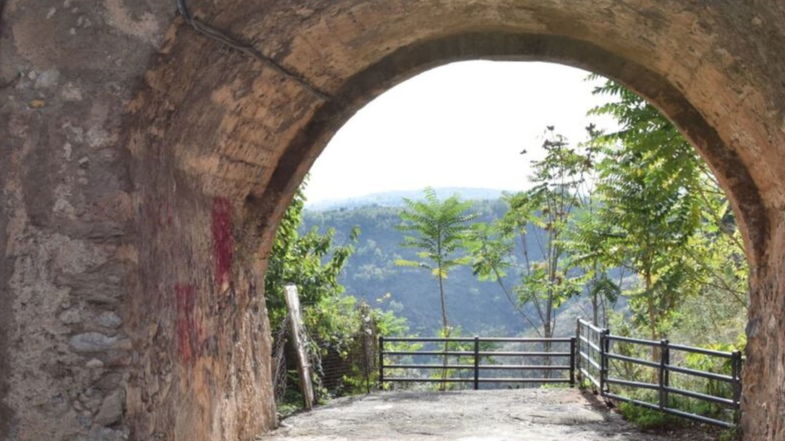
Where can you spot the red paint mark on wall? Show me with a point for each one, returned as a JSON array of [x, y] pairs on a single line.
[[187, 333], [223, 240]]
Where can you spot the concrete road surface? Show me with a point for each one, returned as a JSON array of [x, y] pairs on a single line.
[[490, 415]]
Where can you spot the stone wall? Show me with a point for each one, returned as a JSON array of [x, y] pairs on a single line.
[[67, 222], [145, 168]]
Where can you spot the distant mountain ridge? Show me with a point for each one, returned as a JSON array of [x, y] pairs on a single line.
[[476, 307], [372, 275], [395, 198]]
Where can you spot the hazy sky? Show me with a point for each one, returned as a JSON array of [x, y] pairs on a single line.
[[463, 125]]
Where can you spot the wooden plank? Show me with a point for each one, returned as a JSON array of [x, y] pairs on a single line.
[[298, 339]]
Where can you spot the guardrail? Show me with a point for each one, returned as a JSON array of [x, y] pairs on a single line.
[[594, 355], [591, 355], [476, 355]]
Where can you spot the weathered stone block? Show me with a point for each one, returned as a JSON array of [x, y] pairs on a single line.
[[97, 342], [111, 409]]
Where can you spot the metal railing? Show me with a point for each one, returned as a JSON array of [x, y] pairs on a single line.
[[476, 355], [591, 355], [595, 353]]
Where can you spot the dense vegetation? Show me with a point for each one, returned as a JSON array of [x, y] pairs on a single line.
[[629, 229], [476, 306], [663, 216], [338, 325]]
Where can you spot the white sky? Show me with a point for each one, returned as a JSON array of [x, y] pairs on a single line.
[[459, 125]]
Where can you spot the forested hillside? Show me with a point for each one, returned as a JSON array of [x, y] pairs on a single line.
[[477, 307]]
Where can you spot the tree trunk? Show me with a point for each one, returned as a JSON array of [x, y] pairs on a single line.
[[548, 331], [655, 350], [445, 327]]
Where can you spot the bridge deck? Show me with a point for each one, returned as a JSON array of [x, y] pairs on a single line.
[[491, 415]]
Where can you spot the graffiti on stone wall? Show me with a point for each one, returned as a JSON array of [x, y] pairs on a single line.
[[223, 241], [186, 324]]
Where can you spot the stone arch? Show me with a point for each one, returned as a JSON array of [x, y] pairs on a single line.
[[214, 141]]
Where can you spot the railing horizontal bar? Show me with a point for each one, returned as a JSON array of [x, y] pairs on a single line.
[[700, 418], [639, 341], [590, 377], [482, 353], [524, 354], [700, 396], [701, 351], [429, 339], [697, 373], [632, 360], [631, 400], [524, 380], [671, 411], [628, 383], [593, 346], [428, 380], [458, 353], [590, 333], [483, 366], [481, 339], [481, 380], [586, 357], [525, 340], [523, 367], [428, 366], [589, 325]]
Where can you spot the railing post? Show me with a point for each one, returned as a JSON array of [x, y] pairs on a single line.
[[665, 360], [572, 361], [381, 362], [476, 362], [577, 366], [604, 349], [736, 366]]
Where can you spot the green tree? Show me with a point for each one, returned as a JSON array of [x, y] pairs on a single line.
[[662, 214], [439, 230], [587, 243], [545, 279], [649, 205], [590, 254], [310, 261], [313, 263]]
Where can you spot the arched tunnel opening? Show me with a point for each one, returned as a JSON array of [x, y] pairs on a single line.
[[305, 145], [375, 161]]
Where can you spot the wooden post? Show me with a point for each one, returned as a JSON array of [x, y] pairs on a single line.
[[298, 339]]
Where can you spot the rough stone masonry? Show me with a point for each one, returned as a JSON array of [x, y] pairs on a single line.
[[144, 168]]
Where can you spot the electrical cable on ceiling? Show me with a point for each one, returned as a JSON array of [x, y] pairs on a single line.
[[245, 48]]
